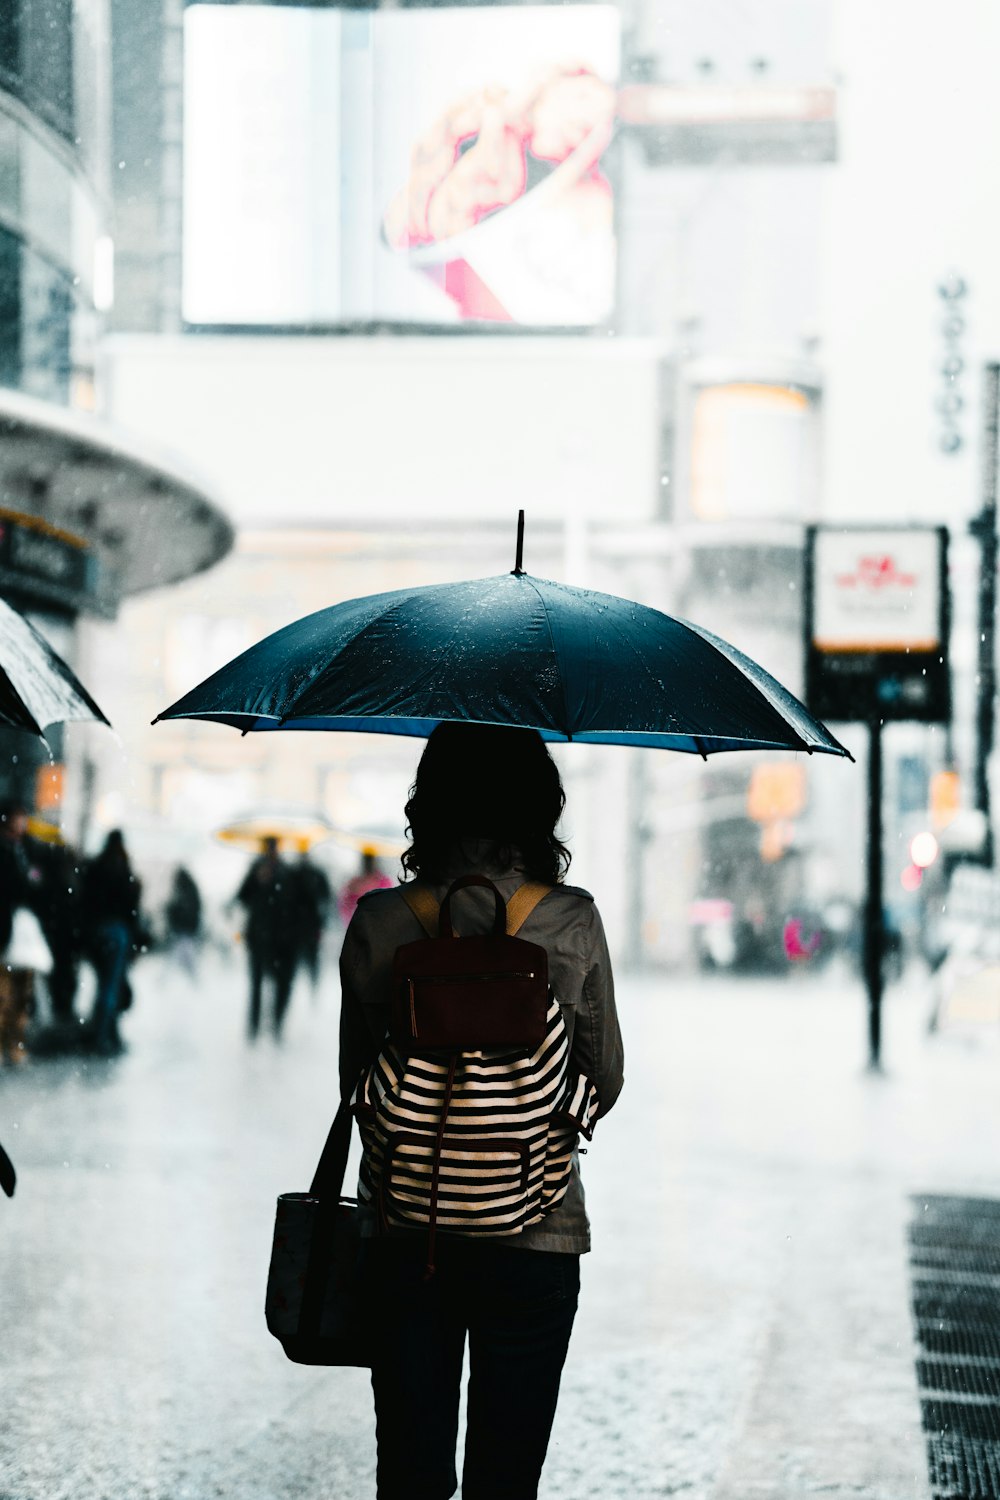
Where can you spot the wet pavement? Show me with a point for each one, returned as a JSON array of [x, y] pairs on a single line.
[[744, 1328]]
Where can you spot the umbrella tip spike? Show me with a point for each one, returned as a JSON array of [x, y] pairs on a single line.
[[519, 557]]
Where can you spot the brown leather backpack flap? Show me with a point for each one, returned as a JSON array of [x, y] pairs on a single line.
[[463, 994]]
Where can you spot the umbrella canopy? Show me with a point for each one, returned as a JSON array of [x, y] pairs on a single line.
[[37, 688], [571, 663], [288, 825], [382, 843]]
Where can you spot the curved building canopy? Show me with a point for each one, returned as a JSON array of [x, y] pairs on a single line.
[[136, 516]]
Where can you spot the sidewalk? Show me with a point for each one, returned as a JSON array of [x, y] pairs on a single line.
[[744, 1330]]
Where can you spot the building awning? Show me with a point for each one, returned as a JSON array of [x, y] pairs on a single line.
[[143, 515]]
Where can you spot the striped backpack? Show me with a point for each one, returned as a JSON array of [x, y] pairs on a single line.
[[470, 1114]]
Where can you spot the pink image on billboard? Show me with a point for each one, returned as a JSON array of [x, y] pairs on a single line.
[[489, 164]]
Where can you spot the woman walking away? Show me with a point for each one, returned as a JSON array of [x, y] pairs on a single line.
[[458, 1248]]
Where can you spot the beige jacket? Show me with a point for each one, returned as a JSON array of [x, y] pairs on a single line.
[[567, 924]]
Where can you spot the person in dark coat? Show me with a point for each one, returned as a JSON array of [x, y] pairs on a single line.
[[311, 896], [56, 905], [15, 889], [110, 903], [183, 920], [266, 896], [44, 877]]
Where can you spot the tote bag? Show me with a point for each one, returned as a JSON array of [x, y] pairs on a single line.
[[316, 1303]]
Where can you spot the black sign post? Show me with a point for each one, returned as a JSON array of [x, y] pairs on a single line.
[[873, 933], [877, 626], [984, 529]]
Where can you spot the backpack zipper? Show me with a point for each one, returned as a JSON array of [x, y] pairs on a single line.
[[465, 978]]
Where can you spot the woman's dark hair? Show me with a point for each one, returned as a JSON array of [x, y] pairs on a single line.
[[486, 781]]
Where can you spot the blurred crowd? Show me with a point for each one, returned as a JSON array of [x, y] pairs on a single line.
[[61, 913]]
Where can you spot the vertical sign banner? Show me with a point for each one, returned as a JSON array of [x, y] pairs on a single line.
[[877, 623]]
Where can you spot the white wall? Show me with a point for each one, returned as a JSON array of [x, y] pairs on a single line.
[[333, 430], [912, 197]]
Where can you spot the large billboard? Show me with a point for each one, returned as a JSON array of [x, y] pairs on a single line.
[[432, 167], [262, 121]]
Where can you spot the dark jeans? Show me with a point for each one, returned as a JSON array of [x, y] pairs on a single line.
[[517, 1307], [112, 943], [278, 965]]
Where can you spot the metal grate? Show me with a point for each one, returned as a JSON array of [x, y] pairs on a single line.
[[938, 1206], [968, 1419], [960, 1301], [979, 1380], [953, 1260], [963, 1470], [976, 1234], [950, 1339], [955, 1273]]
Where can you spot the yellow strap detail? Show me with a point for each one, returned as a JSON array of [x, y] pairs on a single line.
[[519, 908], [423, 906], [522, 904]]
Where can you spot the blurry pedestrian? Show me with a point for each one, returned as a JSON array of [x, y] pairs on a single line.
[[26, 955], [182, 918], [369, 878], [266, 897], [486, 801], [798, 945], [59, 912], [311, 897], [15, 888], [23, 949], [110, 901], [46, 875]]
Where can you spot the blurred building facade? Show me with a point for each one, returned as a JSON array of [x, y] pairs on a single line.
[[786, 208], [88, 512]]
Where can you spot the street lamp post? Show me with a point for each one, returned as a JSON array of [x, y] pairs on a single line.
[[874, 930], [984, 528]]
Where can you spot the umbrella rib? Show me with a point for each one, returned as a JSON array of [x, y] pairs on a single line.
[[400, 599], [803, 742], [630, 646], [655, 681], [761, 688], [526, 578]]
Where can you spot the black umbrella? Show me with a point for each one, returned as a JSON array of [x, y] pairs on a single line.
[[571, 663], [37, 688]]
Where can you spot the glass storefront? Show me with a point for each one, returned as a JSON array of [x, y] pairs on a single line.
[[53, 171], [36, 60], [46, 328]]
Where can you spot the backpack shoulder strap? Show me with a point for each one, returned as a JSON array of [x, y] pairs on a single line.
[[519, 908], [522, 904], [423, 906]]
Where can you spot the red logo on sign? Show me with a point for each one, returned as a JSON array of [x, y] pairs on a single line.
[[877, 572]]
